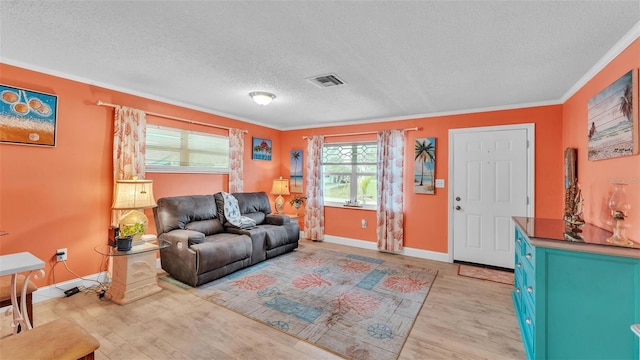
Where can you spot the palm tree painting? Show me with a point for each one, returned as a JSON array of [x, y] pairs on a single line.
[[424, 167], [612, 119], [296, 171]]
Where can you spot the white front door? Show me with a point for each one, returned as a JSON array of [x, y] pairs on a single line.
[[490, 183]]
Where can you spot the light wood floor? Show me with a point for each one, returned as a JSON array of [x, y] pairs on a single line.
[[462, 318]]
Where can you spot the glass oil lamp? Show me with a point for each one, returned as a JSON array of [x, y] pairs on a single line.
[[620, 206]]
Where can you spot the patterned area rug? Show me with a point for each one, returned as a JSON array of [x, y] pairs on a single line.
[[478, 272], [355, 306]]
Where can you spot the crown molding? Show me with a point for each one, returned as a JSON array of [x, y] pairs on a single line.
[[63, 75], [618, 48]]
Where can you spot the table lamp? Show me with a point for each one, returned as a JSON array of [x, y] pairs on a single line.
[[133, 195], [280, 187]]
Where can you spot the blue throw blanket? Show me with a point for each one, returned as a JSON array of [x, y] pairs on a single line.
[[232, 213]]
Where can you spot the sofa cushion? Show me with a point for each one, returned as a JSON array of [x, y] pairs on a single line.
[[220, 250], [277, 219], [258, 217], [178, 211], [207, 227], [251, 203], [276, 236]]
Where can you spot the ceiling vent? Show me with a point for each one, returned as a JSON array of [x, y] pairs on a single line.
[[328, 80]]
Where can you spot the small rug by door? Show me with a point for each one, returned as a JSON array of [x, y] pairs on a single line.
[[478, 272], [355, 306]]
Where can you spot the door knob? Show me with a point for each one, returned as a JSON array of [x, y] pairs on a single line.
[[457, 198], [457, 207]]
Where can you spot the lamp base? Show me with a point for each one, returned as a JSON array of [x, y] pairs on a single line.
[[618, 237], [134, 224], [279, 203]]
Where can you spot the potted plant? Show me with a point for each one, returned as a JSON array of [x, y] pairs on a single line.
[[297, 201]]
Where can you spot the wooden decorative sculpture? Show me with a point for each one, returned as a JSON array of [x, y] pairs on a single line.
[[572, 198]]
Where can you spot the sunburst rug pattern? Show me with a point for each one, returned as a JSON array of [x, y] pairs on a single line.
[[482, 273], [356, 306]]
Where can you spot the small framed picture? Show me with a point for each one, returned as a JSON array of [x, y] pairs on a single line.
[[27, 117], [261, 149]]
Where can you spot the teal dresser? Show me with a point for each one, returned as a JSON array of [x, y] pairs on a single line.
[[575, 299]]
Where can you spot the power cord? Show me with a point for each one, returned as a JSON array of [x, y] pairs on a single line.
[[100, 289]]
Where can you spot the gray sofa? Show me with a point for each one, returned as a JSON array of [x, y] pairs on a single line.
[[205, 247]]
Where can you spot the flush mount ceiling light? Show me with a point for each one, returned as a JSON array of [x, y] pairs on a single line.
[[262, 98]]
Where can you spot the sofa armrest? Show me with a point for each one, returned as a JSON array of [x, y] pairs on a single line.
[[182, 239], [277, 219], [179, 259]]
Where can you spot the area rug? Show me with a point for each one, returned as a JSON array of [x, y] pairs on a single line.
[[355, 306], [482, 273]]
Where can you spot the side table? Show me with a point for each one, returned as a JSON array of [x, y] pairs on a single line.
[[134, 271], [12, 265]]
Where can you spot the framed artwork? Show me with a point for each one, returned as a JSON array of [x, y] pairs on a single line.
[[613, 119], [424, 181], [295, 181], [260, 149], [27, 117]]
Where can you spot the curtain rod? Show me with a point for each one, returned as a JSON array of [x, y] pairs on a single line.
[[363, 133], [101, 103]]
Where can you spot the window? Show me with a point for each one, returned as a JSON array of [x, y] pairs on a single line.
[[177, 150], [349, 172]]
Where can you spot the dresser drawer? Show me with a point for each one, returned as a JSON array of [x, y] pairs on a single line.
[[527, 327], [524, 249], [528, 283]]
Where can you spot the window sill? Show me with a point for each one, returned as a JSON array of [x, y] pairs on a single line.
[[184, 170], [342, 206]]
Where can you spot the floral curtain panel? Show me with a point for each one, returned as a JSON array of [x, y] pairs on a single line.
[[390, 218], [129, 135], [314, 210], [236, 160]]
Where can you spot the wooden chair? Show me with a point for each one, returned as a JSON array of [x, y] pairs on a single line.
[[57, 340], [5, 293]]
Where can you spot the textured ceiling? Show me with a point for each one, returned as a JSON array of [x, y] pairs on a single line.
[[398, 59]]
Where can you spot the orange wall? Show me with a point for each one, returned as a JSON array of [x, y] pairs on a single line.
[[60, 197], [426, 221], [595, 177]]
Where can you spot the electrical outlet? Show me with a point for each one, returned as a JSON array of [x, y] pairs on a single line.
[[62, 257], [363, 223]]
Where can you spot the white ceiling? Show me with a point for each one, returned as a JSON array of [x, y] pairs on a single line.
[[399, 58]]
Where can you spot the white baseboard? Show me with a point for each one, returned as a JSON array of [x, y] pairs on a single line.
[[57, 290], [418, 253]]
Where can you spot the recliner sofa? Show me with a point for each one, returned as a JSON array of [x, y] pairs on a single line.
[[205, 247]]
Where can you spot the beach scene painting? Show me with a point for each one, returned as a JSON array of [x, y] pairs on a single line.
[[424, 166], [261, 149], [613, 119], [27, 117], [295, 178]]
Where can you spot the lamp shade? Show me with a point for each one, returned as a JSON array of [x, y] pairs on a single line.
[[262, 98], [280, 187], [133, 194]]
